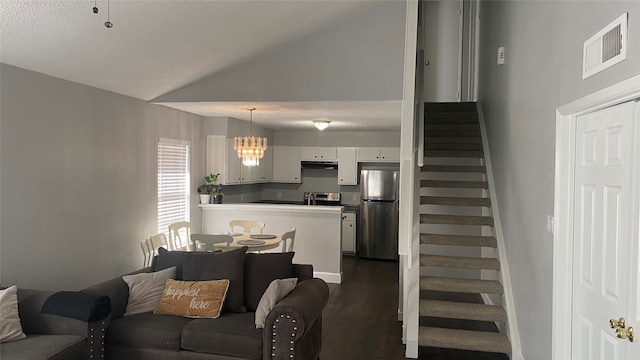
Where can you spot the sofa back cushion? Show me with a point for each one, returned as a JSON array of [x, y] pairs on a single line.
[[217, 266], [167, 259], [260, 270]]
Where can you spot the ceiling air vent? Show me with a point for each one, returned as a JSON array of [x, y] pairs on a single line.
[[606, 48]]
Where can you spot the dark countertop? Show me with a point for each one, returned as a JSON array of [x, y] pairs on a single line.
[[347, 207]]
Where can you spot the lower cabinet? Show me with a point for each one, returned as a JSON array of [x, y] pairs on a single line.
[[349, 233]]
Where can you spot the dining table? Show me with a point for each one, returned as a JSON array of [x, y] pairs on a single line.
[[254, 241]]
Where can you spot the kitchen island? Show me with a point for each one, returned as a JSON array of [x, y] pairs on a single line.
[[318, 231]]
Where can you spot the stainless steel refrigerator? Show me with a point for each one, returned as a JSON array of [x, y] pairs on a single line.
[[378, 214]]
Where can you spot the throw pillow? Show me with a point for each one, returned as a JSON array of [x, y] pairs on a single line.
[[145, 290], [197, 299], [276, 291], [260, 270], [216, 266], [10, 328]]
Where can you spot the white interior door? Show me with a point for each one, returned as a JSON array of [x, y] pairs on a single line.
[[606, 233], [442, 50]]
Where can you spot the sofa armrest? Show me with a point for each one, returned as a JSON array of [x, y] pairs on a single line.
[[118, 291], [302, 271], [34, 321], [292, 328]]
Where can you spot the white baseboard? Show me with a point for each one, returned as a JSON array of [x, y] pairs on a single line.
[[411, 351], [332, 278]]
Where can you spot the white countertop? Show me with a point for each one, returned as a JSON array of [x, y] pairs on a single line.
[[278, 207]]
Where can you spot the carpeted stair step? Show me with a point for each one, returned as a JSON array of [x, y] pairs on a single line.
[[453, 146], [454, 184], [454, 140], [460, 262], [464, 340], [450, 107], [454, 154], [451, 133], [458, 240], [462, 310], [454, 168], [433, 283], [456, 219], [451, 118], [452, 127], [455, 201]]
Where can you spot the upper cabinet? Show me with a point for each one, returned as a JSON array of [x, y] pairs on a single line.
[[379, 154], [283, 163], [320, 153], [347, 166], [286, 164]]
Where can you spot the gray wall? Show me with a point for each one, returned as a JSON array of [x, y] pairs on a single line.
[[358, 59], [78, 184], [543, 41]]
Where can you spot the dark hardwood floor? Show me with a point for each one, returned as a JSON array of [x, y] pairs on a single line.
[[360, 321]]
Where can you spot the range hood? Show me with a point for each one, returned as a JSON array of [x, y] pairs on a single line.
[[319, 164]]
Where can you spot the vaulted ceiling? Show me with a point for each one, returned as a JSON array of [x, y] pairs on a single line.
[[156, 47]]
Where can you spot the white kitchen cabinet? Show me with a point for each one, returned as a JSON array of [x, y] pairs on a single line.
[[347, 166], [348, 232], [233, 166], [379, 154], [286, 164], [320, 153], [264, 172], [390, 154]]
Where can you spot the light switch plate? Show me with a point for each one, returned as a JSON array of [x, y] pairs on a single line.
[[550, 223], [501, 55]]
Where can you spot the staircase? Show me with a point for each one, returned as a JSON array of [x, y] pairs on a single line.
[[457, 245]]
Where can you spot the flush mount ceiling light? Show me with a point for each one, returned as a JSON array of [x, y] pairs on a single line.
[[250, 148], [321, 124]]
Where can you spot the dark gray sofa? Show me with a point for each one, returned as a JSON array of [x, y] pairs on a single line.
[[293, 328], [55, 337]]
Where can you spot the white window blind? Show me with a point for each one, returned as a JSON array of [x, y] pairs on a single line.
[[173, 183]]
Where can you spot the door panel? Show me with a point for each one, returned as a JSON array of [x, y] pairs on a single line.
[[603, 228]]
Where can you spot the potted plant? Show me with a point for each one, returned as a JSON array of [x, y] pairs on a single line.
[[209, 189], [216, 194]]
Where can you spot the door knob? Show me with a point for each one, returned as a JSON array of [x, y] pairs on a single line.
[[617, 324], [625, 334]]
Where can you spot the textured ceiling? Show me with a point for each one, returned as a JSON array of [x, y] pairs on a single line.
[[158, 46], [344, 115]]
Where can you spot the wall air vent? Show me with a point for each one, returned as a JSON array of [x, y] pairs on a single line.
[[606, 48]]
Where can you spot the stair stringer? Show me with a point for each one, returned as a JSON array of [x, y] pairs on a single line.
[[510, 327]]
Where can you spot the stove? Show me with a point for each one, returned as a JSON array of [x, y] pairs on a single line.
[[322, 198]]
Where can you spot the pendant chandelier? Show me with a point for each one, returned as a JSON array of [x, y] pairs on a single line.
[[250, 148]]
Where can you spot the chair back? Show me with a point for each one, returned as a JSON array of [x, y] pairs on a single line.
[[288, 237], [155, 242], [246, 225], [147, 253], [175, 236], [205, 242]]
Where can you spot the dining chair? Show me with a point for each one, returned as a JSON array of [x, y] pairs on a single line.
[[290, 237], [205, 242], [146, 253], [155, 242], [246, 225], [176, 231]]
